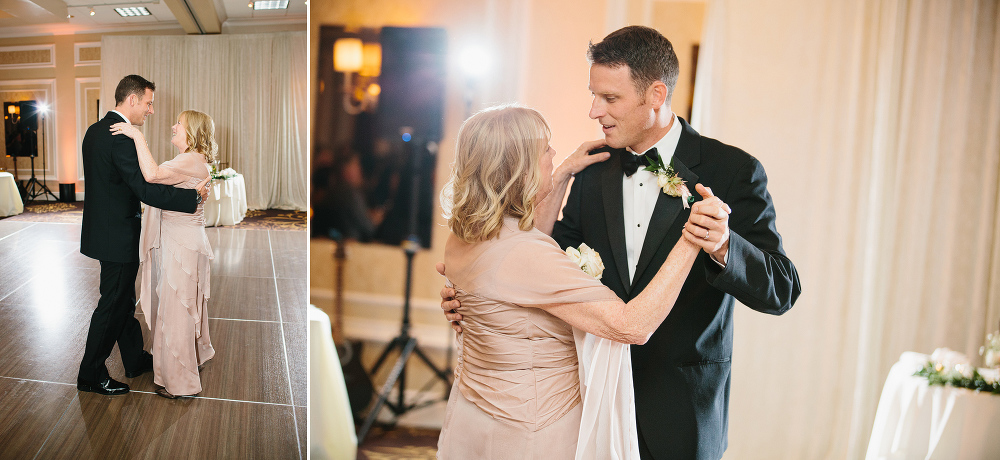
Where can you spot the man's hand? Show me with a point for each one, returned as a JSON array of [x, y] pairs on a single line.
[[708, 225], [449, 303], [203, 188], [580, 159]]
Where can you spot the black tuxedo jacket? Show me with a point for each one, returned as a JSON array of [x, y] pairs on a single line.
[[682, 373], [114, 188]]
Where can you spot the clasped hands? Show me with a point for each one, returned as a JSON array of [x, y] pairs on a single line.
[[707, 227]]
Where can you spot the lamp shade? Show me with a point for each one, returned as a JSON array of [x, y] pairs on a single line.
[[347, 55], [372, 65]]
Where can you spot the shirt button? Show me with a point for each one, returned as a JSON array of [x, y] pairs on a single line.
[[638, 225], [640, 184]]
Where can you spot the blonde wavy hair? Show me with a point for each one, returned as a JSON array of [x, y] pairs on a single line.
[[200, 131], [496, 172]]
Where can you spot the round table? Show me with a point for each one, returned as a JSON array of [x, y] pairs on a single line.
[[10, 198], [227, 202], [919, 421], [331, 425]]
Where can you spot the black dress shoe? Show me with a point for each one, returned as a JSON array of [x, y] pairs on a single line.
[[147, 365], [107, 387]]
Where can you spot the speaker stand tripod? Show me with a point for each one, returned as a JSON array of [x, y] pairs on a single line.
[[35, 188], [407, 345]]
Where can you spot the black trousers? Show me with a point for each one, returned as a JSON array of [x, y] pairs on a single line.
[[113, 321]]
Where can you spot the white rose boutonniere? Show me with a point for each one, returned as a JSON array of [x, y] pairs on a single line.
[[588, 259], [672, 184]]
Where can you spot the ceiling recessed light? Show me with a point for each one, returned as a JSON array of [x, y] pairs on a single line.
[[92, 12], [132, 11], [270, 4]]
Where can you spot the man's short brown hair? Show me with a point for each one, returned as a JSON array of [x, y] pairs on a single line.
[[647, 53], [132, 84]]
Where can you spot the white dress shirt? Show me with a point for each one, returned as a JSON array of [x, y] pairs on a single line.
[[639, 195]]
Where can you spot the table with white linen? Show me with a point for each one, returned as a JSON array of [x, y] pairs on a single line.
[[10, 198], [331, 425], [227, 202], [920, 421]]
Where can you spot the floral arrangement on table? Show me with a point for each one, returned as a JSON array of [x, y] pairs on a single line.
[[588, 259], [991, 350], [947, 367], [225, 174]]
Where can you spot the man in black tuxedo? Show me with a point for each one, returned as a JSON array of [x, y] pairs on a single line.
[[110, 234], [682, 374]]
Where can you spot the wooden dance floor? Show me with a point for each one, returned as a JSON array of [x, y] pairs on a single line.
[[254, 399]]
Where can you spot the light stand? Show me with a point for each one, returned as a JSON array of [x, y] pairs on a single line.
[[406, 343]]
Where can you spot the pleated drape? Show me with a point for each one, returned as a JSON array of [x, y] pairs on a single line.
[[255, 88], [879, 125]]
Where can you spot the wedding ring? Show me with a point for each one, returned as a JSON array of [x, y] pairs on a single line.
[[707, 232]]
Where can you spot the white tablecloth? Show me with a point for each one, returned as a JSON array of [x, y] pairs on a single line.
[[919, 421], [227, 202], [10, 199], [331, 425]]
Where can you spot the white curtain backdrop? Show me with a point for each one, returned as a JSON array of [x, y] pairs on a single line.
[[879, 125], [254, 87]]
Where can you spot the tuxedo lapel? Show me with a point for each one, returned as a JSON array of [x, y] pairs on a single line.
[[667, 208], [614, 214], [664, 213]]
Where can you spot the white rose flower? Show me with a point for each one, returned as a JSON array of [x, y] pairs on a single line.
[[591, 261], [964, 370], [948, 358], [574, 255], [662, 181], [587, 259], [991, 358], [990, 375]]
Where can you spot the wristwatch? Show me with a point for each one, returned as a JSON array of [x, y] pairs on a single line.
[[198, 201]]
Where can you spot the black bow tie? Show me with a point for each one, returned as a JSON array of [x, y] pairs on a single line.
[[631, 162]]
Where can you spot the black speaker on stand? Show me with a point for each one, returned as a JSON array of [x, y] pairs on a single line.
[[30, 114], [410, 111]]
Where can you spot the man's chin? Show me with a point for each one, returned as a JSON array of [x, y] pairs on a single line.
[[614, 143]]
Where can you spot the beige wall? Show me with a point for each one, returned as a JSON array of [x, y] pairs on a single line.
[[681, 22], [62, 166], [541, 62], [71, 112]]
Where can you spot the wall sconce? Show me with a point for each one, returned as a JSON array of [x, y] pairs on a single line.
[[351, 55], [13, 112]]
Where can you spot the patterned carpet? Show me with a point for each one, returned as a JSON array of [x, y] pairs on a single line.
[[72, 213]]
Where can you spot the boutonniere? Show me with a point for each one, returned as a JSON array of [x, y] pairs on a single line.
[[588, 259], [668, 180]]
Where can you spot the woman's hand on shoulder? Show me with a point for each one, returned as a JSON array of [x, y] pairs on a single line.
[[126, 129], [580, 159]]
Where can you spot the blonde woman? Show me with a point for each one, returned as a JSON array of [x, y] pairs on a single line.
[[517, 391], [176, 258]]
